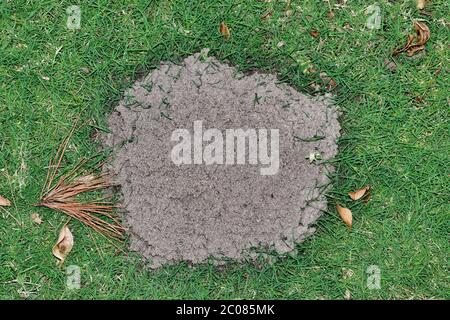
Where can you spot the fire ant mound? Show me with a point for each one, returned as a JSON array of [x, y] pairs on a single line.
[[215, 164]]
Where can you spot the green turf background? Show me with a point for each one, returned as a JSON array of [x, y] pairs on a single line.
[[395, 137]]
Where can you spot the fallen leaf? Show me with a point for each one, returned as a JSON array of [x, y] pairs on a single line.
[[36, 218], [358, 194], [4, 202], [422, 36], [346, 215], [64, 245], [224, 30], [330, 84], [314, 33], [420, 4], [423, 32], [408, 44]]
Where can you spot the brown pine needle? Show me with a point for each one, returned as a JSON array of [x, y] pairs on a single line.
[[61, 195]]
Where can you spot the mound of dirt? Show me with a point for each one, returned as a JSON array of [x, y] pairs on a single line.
[[196, 210]]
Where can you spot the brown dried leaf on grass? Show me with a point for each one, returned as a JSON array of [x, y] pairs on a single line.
[[421, 4], [60, 194], [314, 33], [223, 29], [346, 215], [330, 84], [358, 194], [4, 202], [64, 245], [422, 36]]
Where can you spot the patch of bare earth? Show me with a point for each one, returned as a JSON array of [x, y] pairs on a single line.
[[192, 212]]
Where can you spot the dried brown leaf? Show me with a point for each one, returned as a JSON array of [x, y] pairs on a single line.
[[314, 33], [4, 202], [224, 30], [330, 84], [358, 194], [409, 41], [346, 215], [64, 245], [420, 4], [411, 51], [423, 32], [36, 218], [422, 36]]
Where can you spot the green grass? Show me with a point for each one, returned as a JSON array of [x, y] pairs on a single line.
[[395, 137]]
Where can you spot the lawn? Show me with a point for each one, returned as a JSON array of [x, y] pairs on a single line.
[[395, 137]]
